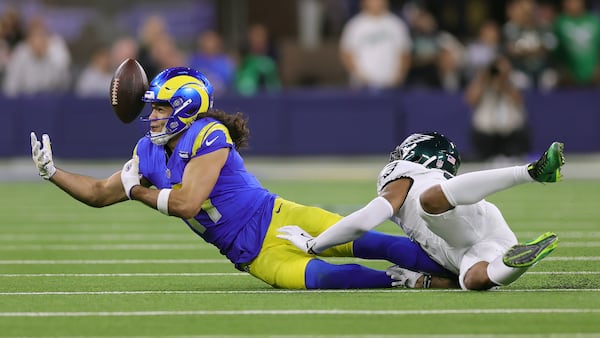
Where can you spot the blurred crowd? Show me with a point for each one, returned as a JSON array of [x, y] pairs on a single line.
[[540, 46]]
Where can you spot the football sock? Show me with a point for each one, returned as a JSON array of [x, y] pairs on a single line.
[[501, 274], [398, 250], [472, 187], [322, 275]]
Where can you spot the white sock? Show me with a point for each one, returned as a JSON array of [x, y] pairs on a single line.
[[472, 187], [501, 274]]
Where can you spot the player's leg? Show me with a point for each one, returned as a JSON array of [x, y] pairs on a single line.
[[398, 250], [519, 258], [497, 259], [472, 187], [371, 245], [475, 263], [322, 275], [282, 265]]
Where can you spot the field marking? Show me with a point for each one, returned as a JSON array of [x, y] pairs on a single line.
[[368, 335], [167, 274], [564, 234], [105, 247], [209, 274], [269, 291], [207, 261], [174, 246], [114, 261], [71, 237], [188, 236], [295, 312], [573, 258]]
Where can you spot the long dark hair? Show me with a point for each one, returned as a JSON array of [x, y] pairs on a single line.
[[235, 123]]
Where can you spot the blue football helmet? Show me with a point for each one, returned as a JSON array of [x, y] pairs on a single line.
[[187, 91], [432, 150]]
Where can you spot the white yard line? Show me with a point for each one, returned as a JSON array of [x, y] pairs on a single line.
[[187, 237], [83, 237], [113, 261], [107, 247], [205, 261], [210, 274], [267, 291], [174, 246], [296, 312], [167, 274]]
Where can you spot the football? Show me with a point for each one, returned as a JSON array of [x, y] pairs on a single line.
[[127, 87]]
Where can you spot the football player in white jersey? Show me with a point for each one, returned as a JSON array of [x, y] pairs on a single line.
[[446, 215]]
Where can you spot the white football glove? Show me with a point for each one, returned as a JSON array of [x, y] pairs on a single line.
[[407, 278], [300, 238], [42, 157], [130, 175]]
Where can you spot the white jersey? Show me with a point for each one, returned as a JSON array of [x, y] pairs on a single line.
[[376, 43], [457, 238]]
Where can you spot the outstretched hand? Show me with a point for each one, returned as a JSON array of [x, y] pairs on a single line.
[[130, 175], [300, 238], [42, 156]]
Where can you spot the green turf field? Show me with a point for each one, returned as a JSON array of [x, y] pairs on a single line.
[[70, 270]]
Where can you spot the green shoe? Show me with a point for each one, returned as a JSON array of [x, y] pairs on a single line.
[[547, 168], [529, 253]]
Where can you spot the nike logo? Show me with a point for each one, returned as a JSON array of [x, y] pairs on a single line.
[[209, 142], [278, 209]]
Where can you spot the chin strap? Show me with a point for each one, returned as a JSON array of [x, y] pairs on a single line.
[[160, 138]]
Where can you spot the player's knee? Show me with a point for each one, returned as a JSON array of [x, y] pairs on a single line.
[[477, 278], [433, 200]]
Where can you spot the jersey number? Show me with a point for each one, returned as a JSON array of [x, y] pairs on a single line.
[[212, 213]]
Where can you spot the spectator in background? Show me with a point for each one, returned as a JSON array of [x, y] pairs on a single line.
[[499, 121], [165, 53], [435, 56], [40, 64], [375, 47], [528, 45], [124, 48], [578, 51], [257, 69], [151, 30], [94, 80], [483, 50], [213, 62], [425, 50], [11, 26]]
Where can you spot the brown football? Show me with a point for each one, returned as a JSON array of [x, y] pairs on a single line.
[[127, 87]]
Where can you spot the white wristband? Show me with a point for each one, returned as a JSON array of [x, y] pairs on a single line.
[[162, 203]]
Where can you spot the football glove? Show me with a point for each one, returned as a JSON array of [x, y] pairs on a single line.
[[42, 156], [130, 175], [300, 238], [407, 278]]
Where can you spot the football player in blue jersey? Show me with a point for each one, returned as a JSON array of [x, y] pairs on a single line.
[[188, 166]]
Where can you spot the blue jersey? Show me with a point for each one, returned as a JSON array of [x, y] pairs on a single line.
[[237, 213]]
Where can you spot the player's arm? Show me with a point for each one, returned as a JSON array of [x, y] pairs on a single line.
[[354, 225], [91, 191], [199, 178]]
